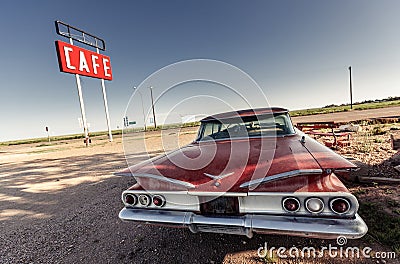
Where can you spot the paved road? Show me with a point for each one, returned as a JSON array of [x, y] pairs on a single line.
[[344, 117]]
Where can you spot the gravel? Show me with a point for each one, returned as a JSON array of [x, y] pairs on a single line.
[[61, 204]]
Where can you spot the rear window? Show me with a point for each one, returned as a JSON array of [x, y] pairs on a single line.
[[253, 126]]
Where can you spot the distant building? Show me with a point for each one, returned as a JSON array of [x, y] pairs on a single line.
[[191, 118]]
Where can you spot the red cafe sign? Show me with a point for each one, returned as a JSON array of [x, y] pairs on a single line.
[[73, 59]]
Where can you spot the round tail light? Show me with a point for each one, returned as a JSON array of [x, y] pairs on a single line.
[[130, 199], [158, 200], [315, 205], [340, 205], [291, 204], [144, 199]]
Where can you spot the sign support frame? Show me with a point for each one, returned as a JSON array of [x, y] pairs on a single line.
[[99, 44], [103, 86], [81, 103]]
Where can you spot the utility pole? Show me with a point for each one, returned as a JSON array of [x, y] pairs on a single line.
[[152, 106], [351, 90], [144, 115]]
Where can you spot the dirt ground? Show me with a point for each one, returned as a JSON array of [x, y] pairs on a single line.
[[350, 116], [59, 203]]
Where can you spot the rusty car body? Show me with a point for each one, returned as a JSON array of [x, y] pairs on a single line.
[[248, 171]]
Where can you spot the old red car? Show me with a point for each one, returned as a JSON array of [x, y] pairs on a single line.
[[247, 171]]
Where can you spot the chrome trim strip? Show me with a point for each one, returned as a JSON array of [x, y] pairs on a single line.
[[198, 193], [218, 177], [241, 138], [279, 176], [323, 228], [300, 194], [155, 192], [271, 203], [347, 170], [163, 178]]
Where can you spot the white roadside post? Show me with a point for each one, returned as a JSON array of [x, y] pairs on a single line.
[[48, 134], [82, 105], [103, 86]]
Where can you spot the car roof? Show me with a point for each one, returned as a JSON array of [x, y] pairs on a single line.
[[245, 113]]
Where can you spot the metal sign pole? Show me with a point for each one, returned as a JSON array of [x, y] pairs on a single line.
[[78, 85], [103, 86]]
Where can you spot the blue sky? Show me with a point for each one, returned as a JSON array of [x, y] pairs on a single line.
[[297, 51]]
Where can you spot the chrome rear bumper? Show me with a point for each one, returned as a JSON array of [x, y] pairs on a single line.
[[326, 228]]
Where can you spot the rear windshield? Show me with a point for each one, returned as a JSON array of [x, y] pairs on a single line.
[[253, 126]]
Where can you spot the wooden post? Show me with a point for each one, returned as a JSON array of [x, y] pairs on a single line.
[[395, 140], [351, 90]]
